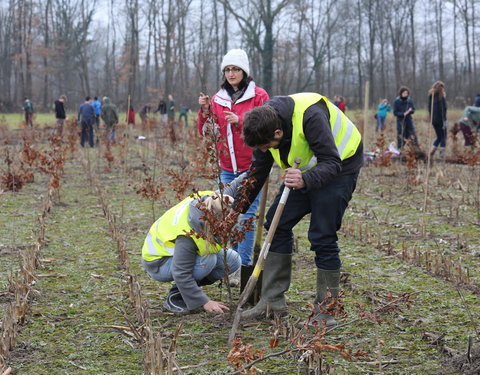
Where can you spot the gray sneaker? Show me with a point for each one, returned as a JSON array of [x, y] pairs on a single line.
[[174, 302]]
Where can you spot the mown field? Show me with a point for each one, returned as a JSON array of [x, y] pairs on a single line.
[[410, 249]]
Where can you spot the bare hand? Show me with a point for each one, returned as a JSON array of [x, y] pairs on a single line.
[[215, 307], [231, 117], [293, 178], [204, 101]]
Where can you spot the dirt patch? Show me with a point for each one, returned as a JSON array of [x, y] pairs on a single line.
[[6, 251], [464, 364]]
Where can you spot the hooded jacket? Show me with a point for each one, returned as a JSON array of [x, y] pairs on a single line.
[[109, 113], [231, 148], [318, 133]]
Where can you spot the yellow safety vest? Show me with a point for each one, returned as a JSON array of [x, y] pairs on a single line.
[[346, 135], [160, 241]]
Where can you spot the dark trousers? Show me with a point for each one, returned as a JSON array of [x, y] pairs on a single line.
[[326, 206], [405, 130], [441, 135], [184, 116], [87, 133]]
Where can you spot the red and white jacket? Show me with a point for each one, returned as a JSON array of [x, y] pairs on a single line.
[[234, 155]]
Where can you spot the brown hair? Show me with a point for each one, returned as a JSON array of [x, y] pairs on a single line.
[[402, 90], [438, 88], [259, 125]]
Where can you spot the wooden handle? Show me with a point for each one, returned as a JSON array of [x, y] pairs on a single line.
[[261, 258]]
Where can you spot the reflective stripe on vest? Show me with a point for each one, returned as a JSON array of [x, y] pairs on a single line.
[[160, 241], [345, 134]]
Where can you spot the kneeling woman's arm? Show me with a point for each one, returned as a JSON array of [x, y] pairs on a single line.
[[182, 270]]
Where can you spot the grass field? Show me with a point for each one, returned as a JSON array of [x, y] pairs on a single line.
[[411, 268]]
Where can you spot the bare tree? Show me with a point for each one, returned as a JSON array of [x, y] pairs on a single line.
[[251, 15]]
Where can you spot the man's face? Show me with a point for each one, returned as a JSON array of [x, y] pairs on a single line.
[[278, 135]]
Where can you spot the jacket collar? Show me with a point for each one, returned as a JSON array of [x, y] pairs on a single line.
[[249, 94]]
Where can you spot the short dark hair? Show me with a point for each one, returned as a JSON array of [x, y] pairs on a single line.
[[96, 98], [403, 89], [259, 125], [87, 98]]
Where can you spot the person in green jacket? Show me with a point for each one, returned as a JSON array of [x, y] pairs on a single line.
[[109, 115]]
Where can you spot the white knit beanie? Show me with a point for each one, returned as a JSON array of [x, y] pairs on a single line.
[[237, 57]]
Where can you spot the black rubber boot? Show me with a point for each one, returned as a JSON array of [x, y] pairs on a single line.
[[327, 280], [174, 302], [275, 282]]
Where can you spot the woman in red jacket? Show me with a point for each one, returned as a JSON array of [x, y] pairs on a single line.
[[238, 95]]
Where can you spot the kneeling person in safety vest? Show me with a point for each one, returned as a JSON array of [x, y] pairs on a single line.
[[308, 126], [169, 254]]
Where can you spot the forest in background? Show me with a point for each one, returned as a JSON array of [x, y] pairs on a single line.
[[147, 49]]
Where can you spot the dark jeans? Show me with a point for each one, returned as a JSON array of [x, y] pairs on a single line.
[[380, 123], [184, 116], [440, 131], [405, 130], [87, 134], [327, 206]]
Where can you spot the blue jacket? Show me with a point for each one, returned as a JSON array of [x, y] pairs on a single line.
[[400, 106], [383, 109], [86, 113], [97, 106]]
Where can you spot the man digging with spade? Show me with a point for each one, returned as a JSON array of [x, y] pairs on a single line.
[[309, 127]]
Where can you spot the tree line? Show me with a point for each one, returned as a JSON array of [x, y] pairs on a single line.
[[148, 49]]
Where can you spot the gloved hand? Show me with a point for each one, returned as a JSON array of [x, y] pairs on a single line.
[[445, 125]]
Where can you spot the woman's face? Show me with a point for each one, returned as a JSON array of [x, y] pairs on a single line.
[[405, 94], [233, 75]]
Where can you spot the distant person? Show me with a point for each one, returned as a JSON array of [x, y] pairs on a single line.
[[477, 100], [110, 117], [468, 125], [438, 116], [171, 108], [403, 109], [86, 118], [97, 106], [342, 106], [162, 108], [335, 100], [383, 108], [131, 116], [184, 111], [60, 114], [171, 118], [29, 111], [146, 109]]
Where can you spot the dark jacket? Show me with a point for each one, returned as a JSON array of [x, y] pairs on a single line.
[[400, 106], [317, 130], [59, 110], [162, 107], [86, 113], [439, 115], [109, 113]]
